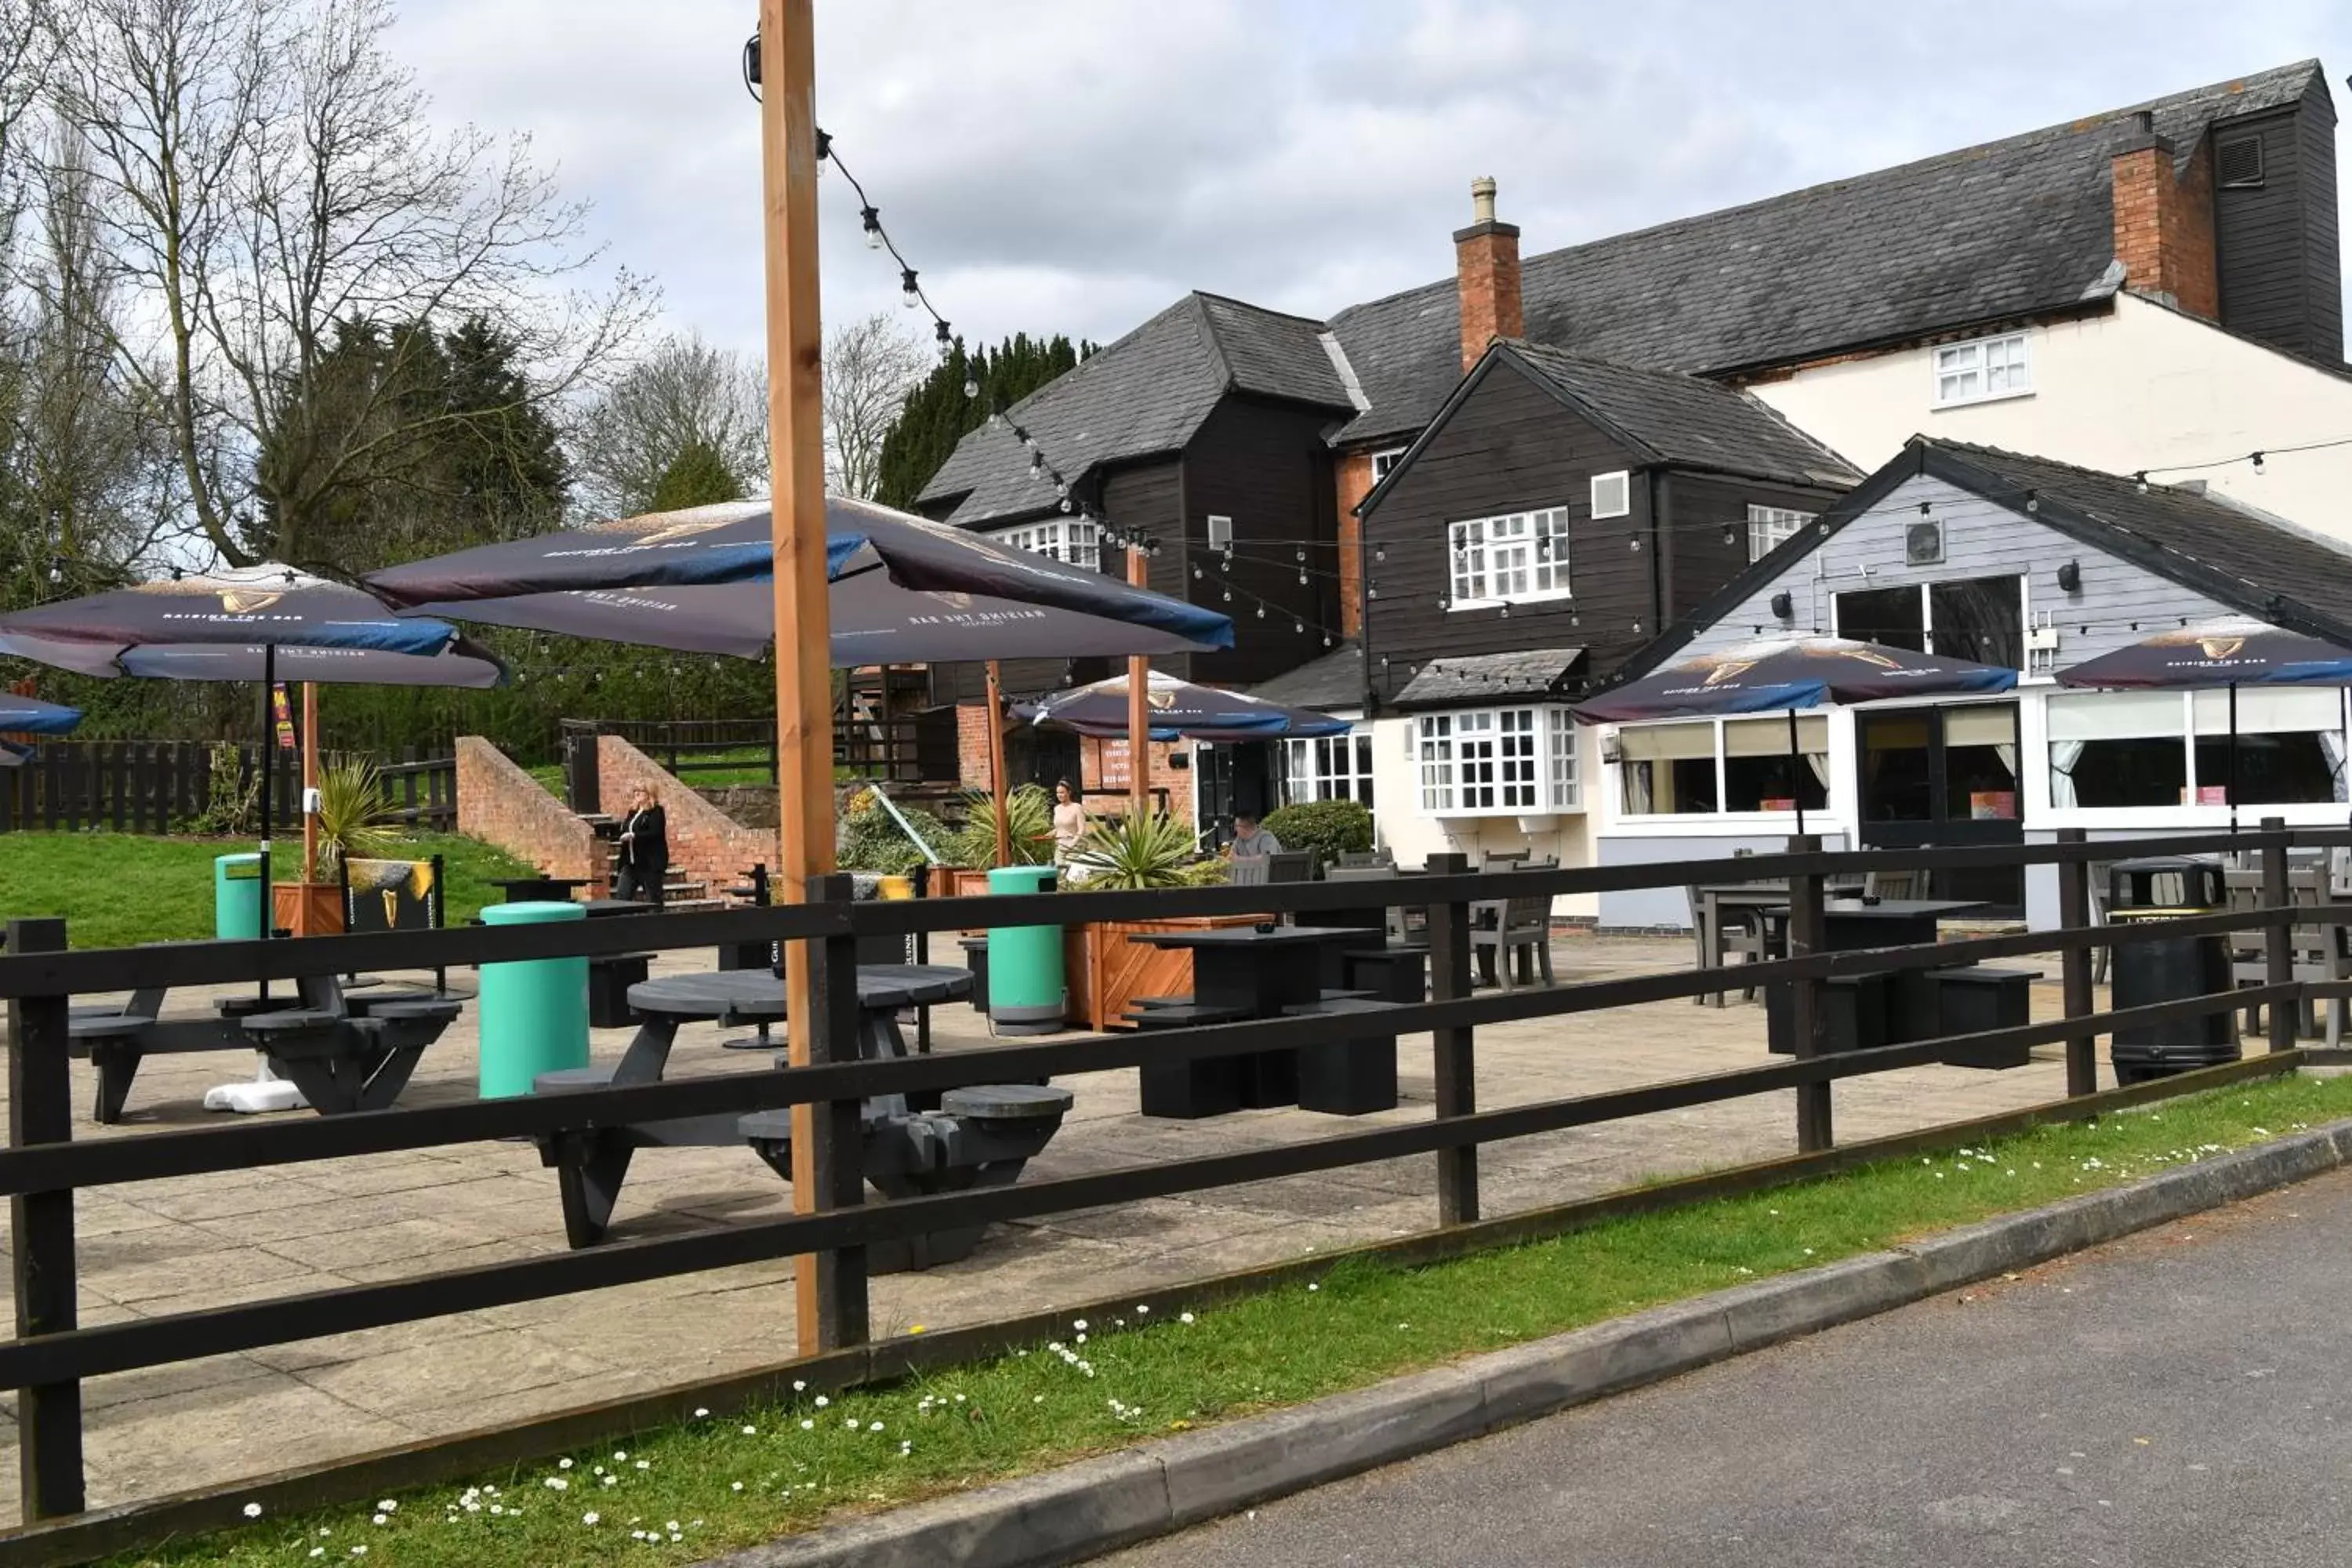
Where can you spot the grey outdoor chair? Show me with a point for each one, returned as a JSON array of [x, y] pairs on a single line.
[[1894, 884], [2320, 951], [1352, 859], [1514, 927], [1291, 866]]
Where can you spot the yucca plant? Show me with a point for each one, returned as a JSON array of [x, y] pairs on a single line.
[[352, 817], [1135, 852], [1030, 811]]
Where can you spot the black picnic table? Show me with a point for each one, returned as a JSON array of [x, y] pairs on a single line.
[[1882, 1009], [346, 1048], [1246, 972], [592, 1163]]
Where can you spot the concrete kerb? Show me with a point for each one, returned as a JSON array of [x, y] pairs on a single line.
[[1078, 1511]]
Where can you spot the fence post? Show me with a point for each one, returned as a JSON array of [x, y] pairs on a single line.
[[2074, 976], [40, 1110], [2278, 939], [1808, 1021], [833, 1162], [1456, 1060]]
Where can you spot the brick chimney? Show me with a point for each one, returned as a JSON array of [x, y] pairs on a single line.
[[1486, 272], [2164, 223]]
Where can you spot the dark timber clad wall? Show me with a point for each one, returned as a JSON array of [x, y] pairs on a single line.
[[1511, 448], [1265, 465], [1697, 507], [2276, 244]]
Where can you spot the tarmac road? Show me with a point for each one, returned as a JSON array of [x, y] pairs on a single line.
[[2182, 1399]]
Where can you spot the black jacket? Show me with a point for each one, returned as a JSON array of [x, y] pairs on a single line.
[[648, 851]]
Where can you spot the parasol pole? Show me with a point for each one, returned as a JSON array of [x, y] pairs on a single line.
[[1139, 706], [2230, 789], [310, 781], [996, 795], [1796, 765], [825, 1318]]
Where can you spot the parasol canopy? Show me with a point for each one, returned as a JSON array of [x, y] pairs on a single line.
[[463, 664], [2235, 651], [1179, 712], [31, 716], [1791, 673], [270, 605], [906, 590]]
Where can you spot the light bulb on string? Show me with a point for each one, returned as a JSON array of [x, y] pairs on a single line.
[[873, 221], [2258, 462], [1261, 612], [971, 385], [1300, 627], [907, 296]]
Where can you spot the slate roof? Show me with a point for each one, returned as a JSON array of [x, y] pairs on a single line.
[[1334, 680], [1684, 420], [2011, 229], [1491, 677], [1137, 397], [2263, 565]]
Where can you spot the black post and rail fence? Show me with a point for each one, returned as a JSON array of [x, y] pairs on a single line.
[[44, 1165]]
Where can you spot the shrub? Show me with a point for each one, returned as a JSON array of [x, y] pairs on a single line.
[[871, 839], [1329, 827], [355, 822]]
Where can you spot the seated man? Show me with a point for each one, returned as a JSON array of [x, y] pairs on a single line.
[[1250, 840]]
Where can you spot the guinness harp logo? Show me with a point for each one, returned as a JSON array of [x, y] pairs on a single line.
[[1730, 671], [249, 601], [1864, 656], [392, 909], [2218, 648]]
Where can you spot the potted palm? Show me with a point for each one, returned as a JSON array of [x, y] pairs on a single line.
[[352, 820], [1105, 971]]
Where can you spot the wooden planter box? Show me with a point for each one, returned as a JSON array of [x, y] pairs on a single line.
[[1106, 972], [307, 908]]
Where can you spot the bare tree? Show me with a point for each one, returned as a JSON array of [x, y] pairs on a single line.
[[268, 179], [683, 394], [870, 366]]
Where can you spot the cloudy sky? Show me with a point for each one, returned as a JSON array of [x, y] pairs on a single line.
[[1077, 164]]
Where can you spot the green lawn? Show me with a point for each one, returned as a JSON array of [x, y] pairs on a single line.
[[118, 888], [685, 1493], [743, 765]]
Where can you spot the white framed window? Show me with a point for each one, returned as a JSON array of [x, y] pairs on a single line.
[[2123, 749], [1075, 540], [1328, 767], [1981, 370], [1612, 494], [1508, 560], [1769, 527], [1497, 762], [1979, 618], [1382, 462], [1221, 532], [1711, 767]]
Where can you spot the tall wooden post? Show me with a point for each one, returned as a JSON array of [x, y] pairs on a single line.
[[803, 673], [1139, 707], [2075, 983], [1808, 1017], [996, 787], [309, 783]]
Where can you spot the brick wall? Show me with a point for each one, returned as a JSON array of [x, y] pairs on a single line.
[[1102, 766], [1487, 273], [972, 744], [1352, 474], [706, 845], [2164, 224], [500, 805]]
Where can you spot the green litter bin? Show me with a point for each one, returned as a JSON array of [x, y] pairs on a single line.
[[533, 1013], [236, 898], [1026, 992]]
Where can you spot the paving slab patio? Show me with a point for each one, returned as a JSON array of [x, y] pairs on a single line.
[[157, 1248]]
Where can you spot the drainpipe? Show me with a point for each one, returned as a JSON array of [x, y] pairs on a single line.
[[1658, 535]]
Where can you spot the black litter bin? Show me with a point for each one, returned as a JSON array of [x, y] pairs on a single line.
[[2169, 969]]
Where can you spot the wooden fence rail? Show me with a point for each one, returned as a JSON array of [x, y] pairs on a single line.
[[44, 1164], [168, 787]]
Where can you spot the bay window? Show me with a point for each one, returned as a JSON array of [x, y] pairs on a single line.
[[1327, 767], [1707, 767], [2126, 748], [1497, 762]]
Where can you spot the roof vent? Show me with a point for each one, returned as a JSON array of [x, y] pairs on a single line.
[[2143, 121], [2238, 163]]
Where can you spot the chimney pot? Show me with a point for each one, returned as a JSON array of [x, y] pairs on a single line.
[[1482, 199]]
